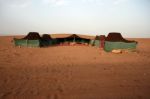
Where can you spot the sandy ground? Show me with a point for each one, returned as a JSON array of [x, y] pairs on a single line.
[[73, 72]]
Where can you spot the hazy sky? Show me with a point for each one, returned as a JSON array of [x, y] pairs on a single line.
[[94, 17]]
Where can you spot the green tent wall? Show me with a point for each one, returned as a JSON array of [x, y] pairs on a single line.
[[97, 43], [27, 43], [109, 46], [92, 42]]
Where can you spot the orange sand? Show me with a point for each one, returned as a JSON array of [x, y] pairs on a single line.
[[73, 72]]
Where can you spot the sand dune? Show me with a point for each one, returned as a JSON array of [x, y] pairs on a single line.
[[73, 72]]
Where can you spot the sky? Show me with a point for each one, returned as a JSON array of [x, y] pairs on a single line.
[[89, 17]]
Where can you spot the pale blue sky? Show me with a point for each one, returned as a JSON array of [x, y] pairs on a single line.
[[93, 17]]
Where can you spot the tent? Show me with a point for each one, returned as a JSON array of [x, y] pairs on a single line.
[[33, 39], [46, 40], [98, 41], [79, 39], [116, 41]]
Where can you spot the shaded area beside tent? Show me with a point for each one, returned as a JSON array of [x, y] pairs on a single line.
[[116, 41]]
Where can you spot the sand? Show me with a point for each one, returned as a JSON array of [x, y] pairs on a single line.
[[73, 72]]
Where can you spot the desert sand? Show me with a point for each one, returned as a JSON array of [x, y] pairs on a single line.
[[73, 72]]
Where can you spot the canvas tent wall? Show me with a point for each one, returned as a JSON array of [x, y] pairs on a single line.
[[95, 42], [98, 41], [92, 42], [26, 43], [33, 39], [116, 41], [109, 46]]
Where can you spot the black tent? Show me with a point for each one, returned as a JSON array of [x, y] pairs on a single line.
[[32, 36], [73, 38], [46, 40]]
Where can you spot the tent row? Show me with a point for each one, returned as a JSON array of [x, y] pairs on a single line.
[[33, 39], [109, 43]]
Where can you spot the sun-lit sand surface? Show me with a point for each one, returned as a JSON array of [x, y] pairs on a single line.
[[73, 72]]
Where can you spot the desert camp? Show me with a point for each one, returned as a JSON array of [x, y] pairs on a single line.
[[74, 49], [114, 41]]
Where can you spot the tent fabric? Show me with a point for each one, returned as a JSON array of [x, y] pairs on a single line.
[[112, 41], [73, 38], [116, 37], [33, 39], [116, 41], [46, 40], [102, 41], [98, 40], [96, 43], [92, 42], [68, 35], [20, 42], [27, 43], [32, 36], [109, 46], [33, 43]]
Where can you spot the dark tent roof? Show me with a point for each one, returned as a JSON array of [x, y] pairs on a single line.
[[32, 36], [58, 36], [46, 37], [75, 36], [116, 37]]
